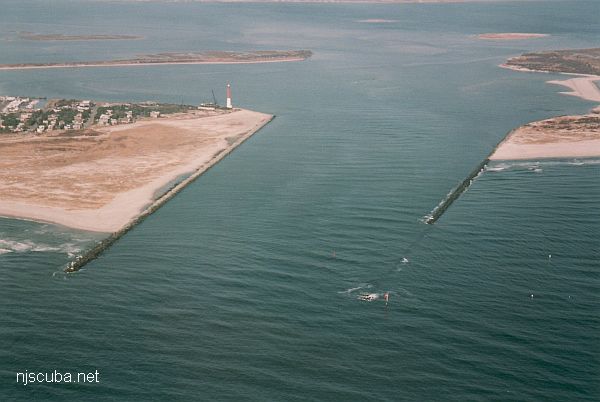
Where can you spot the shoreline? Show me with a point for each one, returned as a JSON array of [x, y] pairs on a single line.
[[333, 1], [127, 207], [133, 64], [510, 36], [561, 137], [508, 150], [582, 85], [557, 137], [529, 70], [75, 38]]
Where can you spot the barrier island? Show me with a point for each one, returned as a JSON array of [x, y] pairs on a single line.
[[563, 136], [99, 166], [210, 57], [62, 37], [573, 61], [558, 137]]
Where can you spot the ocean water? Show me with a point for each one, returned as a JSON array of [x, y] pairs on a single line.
[[245, 285]]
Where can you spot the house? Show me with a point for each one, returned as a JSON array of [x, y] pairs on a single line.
[[103, 119]]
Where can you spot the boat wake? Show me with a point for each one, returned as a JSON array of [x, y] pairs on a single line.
[[354, 289], [366, 294]]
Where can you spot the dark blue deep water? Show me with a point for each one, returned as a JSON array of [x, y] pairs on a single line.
[[244, 286]]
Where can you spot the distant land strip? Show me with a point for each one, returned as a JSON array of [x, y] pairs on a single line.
[[308, 1], [574, 61], [305, 1], [61, 37], [211, 57], [511, 36]]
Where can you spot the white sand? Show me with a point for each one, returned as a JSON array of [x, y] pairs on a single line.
[[558, 141], [125, 206], [513, 151], [583, 87]]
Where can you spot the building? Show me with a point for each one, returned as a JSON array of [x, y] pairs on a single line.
[[103, 119]]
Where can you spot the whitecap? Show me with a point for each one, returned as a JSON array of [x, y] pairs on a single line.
[[30, 246], [495, 169], [15, 245]]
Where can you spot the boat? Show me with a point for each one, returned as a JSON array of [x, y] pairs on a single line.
[[368, 296]]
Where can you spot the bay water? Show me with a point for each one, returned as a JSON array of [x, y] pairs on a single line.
[[245, 285]]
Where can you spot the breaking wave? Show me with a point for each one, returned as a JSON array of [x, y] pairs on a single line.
[[28, 246], [536, 166]]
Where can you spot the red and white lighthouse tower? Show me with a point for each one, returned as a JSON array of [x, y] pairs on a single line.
[[229, 104]]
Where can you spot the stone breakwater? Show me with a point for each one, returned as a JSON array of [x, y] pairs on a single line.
[[91, 254]]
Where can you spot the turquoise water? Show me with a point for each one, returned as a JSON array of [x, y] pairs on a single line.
[[244, 286]]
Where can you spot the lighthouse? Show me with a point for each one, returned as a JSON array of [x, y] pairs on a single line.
[[229, 105]]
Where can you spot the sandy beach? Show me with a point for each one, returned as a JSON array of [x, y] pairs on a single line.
[[583, 87], [79, 65], [518, 151], [102, 180], [558, 137]]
